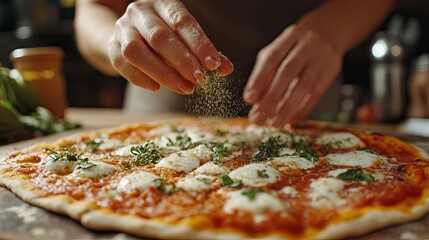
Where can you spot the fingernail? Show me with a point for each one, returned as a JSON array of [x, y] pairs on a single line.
[[251, 96], [200, 76], [186, 87], [212, 63]]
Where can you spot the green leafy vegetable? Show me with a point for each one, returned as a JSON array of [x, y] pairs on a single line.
[[69, 154], [251, 192], [262, 173], [226, 181], [356, 174], [220, 151], [306, 152], [21, 115], [165, 188], [184, 142], [94, 144], [146, 154], [221, 133], [269, 149]]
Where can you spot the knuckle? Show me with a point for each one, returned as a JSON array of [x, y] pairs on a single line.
[[269, 52], [129, 48], [157, 35], [181, 19]]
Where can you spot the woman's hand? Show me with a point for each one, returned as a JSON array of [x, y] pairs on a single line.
[[290, 75], [158, 42]]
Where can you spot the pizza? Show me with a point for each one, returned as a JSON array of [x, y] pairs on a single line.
[[208, 178]]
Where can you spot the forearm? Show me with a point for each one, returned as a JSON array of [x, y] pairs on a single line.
[[346, 22], [94, 24]]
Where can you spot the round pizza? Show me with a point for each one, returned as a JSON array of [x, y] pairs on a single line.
[[207, 178]]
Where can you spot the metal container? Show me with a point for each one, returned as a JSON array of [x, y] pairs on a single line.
[[387, 79]]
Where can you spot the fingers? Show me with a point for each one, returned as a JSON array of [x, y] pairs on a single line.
[[165, 42], [307, 93], [225, 67], [267, 62], [292, 88], [177, 17], [134, 54]]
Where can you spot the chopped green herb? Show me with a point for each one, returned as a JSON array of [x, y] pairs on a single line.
[[204, 180], [160, 185], [269, 149], [182, 141], [94, 144], [306, 152], [220, 151], [69, 154], [327, 147], [221, 133], [251, 192], [176, 129], [146, 154], [356, 174], [226, 181], [262, 173], [369, 151]]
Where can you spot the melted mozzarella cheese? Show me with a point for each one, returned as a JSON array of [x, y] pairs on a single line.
[[201, 152], [179, 162], [324, 193], [199, 136], [292, 161], [289, 191], [139, 180], [262, 203], [212, 169], [243, 137], [107, 144], [336, 172], [259, 130], [255, 175], [100, 169], [197, 183], [355, 159], [340, 140], [166, 139], [60, 167], [125, 151]]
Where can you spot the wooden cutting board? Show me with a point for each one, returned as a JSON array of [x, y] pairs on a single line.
[[19, 220]]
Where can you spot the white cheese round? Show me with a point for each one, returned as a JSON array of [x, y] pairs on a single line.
[[179, 162], [197, 183], [60, 167], [324, 193], [288, 190], [212, 169], [243, 137], [259, 130], [138, 180], [201, 152], [255, 175], [336, 172], [199, 136], [107, 144], [262, 203], [293, 162], [125, 151], [357, 158], [340, 140], [100, 169]]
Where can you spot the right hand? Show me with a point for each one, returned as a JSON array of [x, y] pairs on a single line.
[[158, 42]]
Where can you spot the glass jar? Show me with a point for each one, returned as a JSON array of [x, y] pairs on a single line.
[[41, 68]]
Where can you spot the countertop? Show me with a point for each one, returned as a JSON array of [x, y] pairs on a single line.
[[18, 220]]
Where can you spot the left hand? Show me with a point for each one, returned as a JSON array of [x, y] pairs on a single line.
[[290, 76]]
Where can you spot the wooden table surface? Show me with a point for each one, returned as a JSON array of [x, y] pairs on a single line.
[[18, 220]]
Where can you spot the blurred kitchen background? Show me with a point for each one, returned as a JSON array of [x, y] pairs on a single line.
[[376, 74]]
